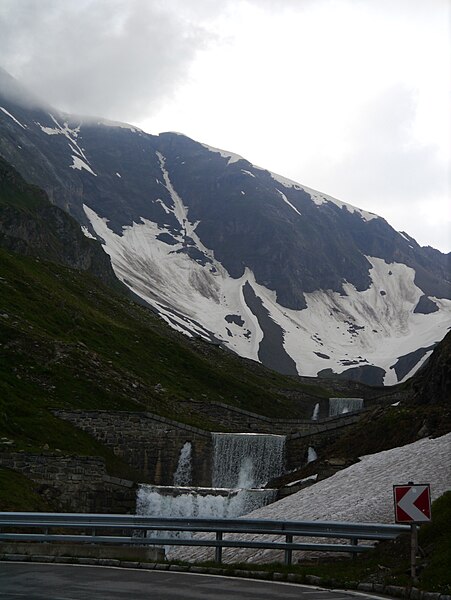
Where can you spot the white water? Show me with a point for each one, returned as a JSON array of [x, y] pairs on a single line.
[[242, 465], [315, 414], [183, 473], [246, 460], [340, 406], [199, 502], [311, 456]]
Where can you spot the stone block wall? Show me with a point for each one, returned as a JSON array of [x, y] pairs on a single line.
[[149, 443], [320, 434], [236, 419], [74, 483]]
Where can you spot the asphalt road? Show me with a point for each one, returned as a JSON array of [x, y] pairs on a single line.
[[31, 581]]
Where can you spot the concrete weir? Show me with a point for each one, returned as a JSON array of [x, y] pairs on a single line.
[[242, 464]]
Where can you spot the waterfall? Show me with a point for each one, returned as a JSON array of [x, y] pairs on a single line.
[[311, 455], [242, 465], [183, 475], [340, 406], [212, 503], [246, 460], [315, 414]]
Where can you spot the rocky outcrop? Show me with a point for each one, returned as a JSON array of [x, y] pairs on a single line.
[[32, 226], [432, 384]]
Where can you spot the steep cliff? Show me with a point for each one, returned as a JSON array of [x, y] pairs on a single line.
[[32, 226]]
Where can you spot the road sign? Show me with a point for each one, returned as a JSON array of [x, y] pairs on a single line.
[[412, 503]]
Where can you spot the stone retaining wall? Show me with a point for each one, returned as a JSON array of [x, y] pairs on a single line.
[[74, 483], [149, 443], [236, 419]]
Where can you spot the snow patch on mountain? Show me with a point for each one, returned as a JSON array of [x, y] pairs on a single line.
[[109, 123], [231, 157], [79, 158], [181, 278], [80, 164], [168, 279], [359, 328], [285, 199], [353, 329], [8, 114], [87, 233], [319, 198], [362, 493]]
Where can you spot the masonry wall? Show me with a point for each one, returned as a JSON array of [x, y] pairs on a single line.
[[74, 483], [147, 442], [152, 444], [235, 419]]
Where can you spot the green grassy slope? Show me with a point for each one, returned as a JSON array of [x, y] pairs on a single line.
[[67, 341]]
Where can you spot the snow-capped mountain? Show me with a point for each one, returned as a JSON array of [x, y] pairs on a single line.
[[231, 252]]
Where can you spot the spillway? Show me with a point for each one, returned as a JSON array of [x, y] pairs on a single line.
[[242, 464], [215, 503], [183, 473], [246, 460], [340, 406]]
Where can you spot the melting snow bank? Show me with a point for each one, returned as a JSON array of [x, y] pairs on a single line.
[[360, 493], [374, 327]]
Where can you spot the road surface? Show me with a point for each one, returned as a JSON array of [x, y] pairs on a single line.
[[35, 581]]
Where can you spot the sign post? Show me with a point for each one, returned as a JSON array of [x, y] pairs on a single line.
[[413, 506]]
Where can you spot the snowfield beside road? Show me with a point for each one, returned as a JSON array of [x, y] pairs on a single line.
[[360, 493]]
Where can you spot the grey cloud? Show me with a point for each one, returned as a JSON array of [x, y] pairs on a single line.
[[387, 171], [385, 150], [113, 58]]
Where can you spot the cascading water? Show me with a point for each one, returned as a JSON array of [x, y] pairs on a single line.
[[311, 455], [183, 473], [340, 406], [215, 503], [246, 460], [242, 465], [315, 414]]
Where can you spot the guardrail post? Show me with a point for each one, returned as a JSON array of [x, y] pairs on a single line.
[[413, 551], [218, 549], [288, 552], [354, 542]]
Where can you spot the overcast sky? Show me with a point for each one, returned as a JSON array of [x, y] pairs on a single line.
[[350, 97]]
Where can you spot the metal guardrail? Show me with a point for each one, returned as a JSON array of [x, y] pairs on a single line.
[[135, 529]]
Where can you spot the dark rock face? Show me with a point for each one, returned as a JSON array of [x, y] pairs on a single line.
[[425, 306], [432, 384], [271, 351], [30, 225], [406, 363], [367, 373]]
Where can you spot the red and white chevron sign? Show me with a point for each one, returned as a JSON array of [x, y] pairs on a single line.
[[412, 503]]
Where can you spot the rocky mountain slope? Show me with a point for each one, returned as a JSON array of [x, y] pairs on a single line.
[[31, 226], [226, 251], [69, 341]]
